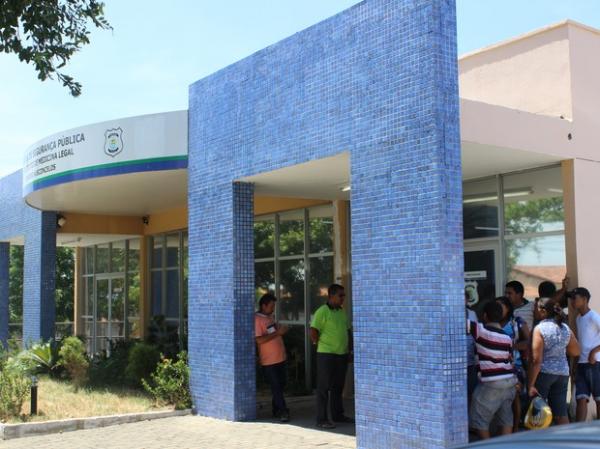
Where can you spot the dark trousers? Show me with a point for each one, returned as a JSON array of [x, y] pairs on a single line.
[[276, 377], [331, 374]]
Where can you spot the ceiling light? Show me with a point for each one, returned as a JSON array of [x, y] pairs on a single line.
[[555, 190], [346, 189], [481, 198]]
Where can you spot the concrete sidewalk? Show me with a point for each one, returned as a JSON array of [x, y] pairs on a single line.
[[191, 432]]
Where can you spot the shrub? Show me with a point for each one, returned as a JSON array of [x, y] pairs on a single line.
[[44, 356], [110, 371], [164, 335], [73, 359], [14, 388], [169, 384], [142, 361]]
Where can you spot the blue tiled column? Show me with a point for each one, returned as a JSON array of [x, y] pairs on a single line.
[[221, 326], [4, 291], [379, 82], [39, 278], [407, 256]]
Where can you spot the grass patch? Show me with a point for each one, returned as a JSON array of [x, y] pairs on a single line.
[[58, 400]]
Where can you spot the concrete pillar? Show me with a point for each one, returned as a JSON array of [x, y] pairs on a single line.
[[39, 277], [581, 183], [4, 291], [221, 307]]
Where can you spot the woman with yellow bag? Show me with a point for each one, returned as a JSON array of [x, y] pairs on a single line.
[[552, 342]]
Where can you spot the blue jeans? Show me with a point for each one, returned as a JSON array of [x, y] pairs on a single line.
[[276, 377], [553, 388], [587, 381]]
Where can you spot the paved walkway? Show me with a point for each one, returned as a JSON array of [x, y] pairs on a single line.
[[189, 432]]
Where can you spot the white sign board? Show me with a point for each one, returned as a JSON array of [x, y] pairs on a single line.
[[150, 142]]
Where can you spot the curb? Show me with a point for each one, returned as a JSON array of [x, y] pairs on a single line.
[[10, 431]]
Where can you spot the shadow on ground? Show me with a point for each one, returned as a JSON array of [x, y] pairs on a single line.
[[303, 412]]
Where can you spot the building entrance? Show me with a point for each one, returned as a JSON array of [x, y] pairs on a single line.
[[106, 323], [482, 273]]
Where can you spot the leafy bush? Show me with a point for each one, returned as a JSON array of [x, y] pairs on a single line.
[[169, 384], [164, 335], [74, 360], [109, 371], [14, 389], [44, 356], [142, 361]]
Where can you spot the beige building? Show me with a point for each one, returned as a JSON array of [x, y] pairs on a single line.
[[528, 103]]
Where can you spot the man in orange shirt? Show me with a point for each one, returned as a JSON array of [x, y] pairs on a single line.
[[271, 352]]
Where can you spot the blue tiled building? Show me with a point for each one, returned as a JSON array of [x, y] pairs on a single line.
[[331, 156]]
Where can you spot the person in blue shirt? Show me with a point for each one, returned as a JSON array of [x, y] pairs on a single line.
[[517, 329]]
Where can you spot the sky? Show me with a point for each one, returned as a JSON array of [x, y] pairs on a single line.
[[146, 63]]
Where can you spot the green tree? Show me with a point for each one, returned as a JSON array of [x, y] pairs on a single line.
[[65, 268], [528, 217], [15, 282], [46, 33]]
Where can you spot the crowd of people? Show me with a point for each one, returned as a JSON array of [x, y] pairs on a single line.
[[519, 350]]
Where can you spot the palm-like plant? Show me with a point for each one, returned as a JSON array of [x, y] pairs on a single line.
[[44, 356]]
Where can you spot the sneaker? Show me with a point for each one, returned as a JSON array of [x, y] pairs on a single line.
[[344, 419], [284, 416], [326, 425]]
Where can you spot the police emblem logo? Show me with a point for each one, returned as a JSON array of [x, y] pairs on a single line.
[[113, 141]]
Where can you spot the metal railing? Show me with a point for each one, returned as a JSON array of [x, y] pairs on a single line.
[[61, 329]]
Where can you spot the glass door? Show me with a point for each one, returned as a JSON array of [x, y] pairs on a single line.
[[109, 322], [483, 279]]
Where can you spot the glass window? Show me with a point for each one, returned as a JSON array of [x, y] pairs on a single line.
[[156, 243], [480, 208], [321, 229], [117, 304], [321, 277], [291, 293], [133, 305], [118, 257], [88, 266], [291, 233], [172, 293], [102, 258], [89, 295], [173, 250], [296, 359], [264, 237], [537, 259], [156, 292], [533, 202], [134, 255], [264, 273]]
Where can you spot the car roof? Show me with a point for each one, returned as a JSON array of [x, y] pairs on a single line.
[[582, 435]]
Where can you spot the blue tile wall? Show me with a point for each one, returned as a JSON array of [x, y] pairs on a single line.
[[4, 266], [38, 231], [378, 81]]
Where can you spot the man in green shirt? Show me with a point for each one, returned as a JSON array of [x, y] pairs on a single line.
[[329, 330]]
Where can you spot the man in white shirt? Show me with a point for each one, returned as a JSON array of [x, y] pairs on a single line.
[[587, 379]]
